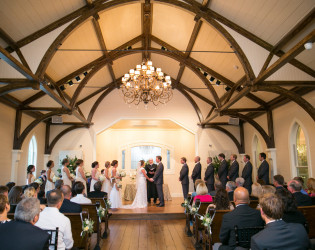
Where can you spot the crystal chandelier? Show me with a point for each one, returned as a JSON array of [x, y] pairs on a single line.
[[146, 84]]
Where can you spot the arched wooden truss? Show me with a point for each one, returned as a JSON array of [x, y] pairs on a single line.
[[220, 106]]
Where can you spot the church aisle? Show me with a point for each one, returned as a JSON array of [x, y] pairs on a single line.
[[147, 234]]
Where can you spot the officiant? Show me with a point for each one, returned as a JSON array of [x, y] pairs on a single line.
[[151, 187]]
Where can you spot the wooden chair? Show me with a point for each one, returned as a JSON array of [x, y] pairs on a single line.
[[197, 222], [53, 238], [76, 228], [243, 235], [309, 213], [215, 228], [92, 211]]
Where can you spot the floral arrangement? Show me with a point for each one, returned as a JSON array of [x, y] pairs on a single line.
[[133, 175], [216, 163], [186, 204], [206, 220], [101, 212], [71, 165], [122, 173], [87, 175], [193, 209], [87, 227], [55, 178], [108, 204], [102, 178], [39, 181], [72, 176]]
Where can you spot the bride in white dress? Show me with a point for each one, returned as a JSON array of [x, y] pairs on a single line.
[[140, 200]]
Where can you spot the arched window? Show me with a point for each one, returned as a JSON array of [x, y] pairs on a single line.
[[32, 152], [300, 152], [143, 153]]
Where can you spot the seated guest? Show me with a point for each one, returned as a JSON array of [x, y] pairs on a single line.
[[291, 214], [80, 199], [97, 193], [256, 191], [277, 233], [242, 216], [21, 233], [295, 188], [58, 184], [221, 201], [261, 182], [10, 185], [278, 181], [217, 186], [230, 187], [30, 193], [268, 189], [300, 180], [74, 194], [239, 182], [4, 190], [43, 177], [36, 186], [4, 208], [67, 205], [310, 184], [15, 196], [51, 218], [41, 197], [197, 182], [202, 193]]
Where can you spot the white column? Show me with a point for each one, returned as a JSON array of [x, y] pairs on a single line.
[[16, 156], [272, 159]]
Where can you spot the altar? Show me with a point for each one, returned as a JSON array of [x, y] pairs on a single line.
[[130, 192]]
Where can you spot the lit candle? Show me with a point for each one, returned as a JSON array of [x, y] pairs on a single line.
[[158, 70], [149, 72], [131, 72], [149, 63], [137, 72], [144, 67], [127, 76], [167, 78], [138, 67]]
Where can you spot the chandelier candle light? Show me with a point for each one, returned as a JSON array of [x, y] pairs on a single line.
[[146, 84]]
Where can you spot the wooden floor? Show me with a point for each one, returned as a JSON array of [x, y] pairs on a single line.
[[147, 234]]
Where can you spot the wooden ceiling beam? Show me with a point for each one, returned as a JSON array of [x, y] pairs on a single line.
[[297, 49], [235, 99], [18, 86], [310, 84], [12, 81], [53, 83], [146, 21]]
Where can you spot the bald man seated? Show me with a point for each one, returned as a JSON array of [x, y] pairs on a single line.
[[242, 216]]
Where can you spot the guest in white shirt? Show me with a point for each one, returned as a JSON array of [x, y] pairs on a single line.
[[51, 218], [80, 199]]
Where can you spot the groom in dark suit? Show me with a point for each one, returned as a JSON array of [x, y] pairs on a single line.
[[209, 175], [158, 180], [183, 177]]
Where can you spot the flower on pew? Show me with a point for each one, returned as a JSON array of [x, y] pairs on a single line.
[[193, 209], [55, 178], [87, 227], [39, 181], [108, 204], [101, 212], [102, 178], [185, 204], [206, 220]]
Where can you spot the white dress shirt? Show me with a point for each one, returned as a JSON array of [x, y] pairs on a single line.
[[80, 199], [50, 218]]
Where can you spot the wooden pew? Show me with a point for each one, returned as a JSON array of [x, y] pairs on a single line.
[[215, 229], [252, 204], [309, 213], [197, 222], [102, 201], [188, 218]]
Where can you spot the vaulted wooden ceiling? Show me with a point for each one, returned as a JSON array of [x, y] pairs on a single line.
[[256, 48]]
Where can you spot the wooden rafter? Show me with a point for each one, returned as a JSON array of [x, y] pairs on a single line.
[[18, 86], [289, 83], [146, 18]]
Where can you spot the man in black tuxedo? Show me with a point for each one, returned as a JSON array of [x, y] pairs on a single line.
[[278, 181], [242, 216], [209, 175], [196, 174], [21, 233], [263, 170], [97, 193], [151, 187], [234, 168], [247, 173], [183, 177], [67, 205], [295, 188], [277, 233], [158, 180], [223, 169]]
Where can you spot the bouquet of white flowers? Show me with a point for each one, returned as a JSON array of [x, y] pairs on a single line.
[[102, 178], [186, 205], [101, 212], [193, 209], [72, 176], [122, 174], [108, 204], [87, 227], [55, 178], [39, 181]]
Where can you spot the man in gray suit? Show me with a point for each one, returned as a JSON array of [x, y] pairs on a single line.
[[183, 177], [223, 170], [263, 170], [158, 180], [209, 175], [234, 168], [247, 174], [196, 174]]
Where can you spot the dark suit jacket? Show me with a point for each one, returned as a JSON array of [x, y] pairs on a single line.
[[158, 176], [231, 195], [281, 235], [20, 235], [183, 175], [302, 199], [294, 217], [247, 174], [233, 171], [70, 207], [96, 194], [242, 216], [209, 175], [263, 172], [222, 172], [196, 174]]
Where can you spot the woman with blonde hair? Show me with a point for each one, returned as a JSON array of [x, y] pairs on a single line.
[[256, 191], [310, 184], [202, 193], [107, 187], [30, 192], [268, 189]]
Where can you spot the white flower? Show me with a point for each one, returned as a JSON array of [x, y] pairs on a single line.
[[55, 178], [193, 209], [39, 181], [201, 217], [208, 220], [86, 228], [72, 176], [101, 178]]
